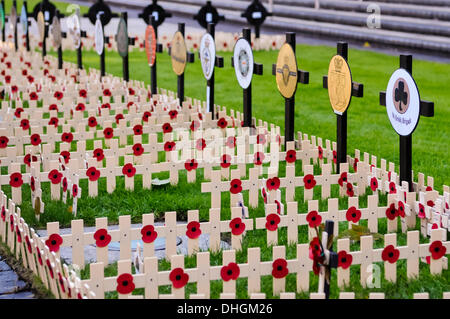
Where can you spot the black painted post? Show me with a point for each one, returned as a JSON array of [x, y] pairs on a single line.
[[153, 74], [210, 83], [27, 36], [180, 80], [60, 51], [80, 48], [3, 27], [16, 43], [289, 104], [102, 56], [126, 73]]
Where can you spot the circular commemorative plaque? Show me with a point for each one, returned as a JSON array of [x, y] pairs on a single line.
[[24, 20], [339, 84], [122, 38], [56, 32], [150, 44], [207, 55], [178, 53], [41, 25], [13, 17], [73, 25], [243, 62], [286, 71], [99, 37], [403, 102]]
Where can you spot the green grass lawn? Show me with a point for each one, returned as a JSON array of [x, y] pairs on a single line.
[[61, 6]]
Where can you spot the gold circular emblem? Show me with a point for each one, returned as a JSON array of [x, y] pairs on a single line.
[[339, 84], [178, 53], [286, 71], [41, 25]]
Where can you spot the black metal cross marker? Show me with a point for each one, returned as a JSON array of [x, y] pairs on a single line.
[[105, 40], [3, 24], [16, 44], [302, 77], [405, 110], [46, 7], [208, 14], [24, 13], [190, 59], [157, 12], [63, 35], [210, 83], [159, 49], [247, 93], [124, 51], [357, 90], [96, 8], [255, 14]]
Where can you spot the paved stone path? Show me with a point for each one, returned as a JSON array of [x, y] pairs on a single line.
[[11, 286]]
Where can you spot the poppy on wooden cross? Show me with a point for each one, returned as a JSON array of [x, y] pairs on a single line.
[[244, 67], [209, 60], [208, 14], [340, 90], [152, 47], [287, 76], [123, 41], [330, 258], [255, 14], [157, 12], [180, 56], [404, 108], [96, 8]]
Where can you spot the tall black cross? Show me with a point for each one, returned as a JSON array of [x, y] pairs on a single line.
[[3, 26], [210, 83], [27, 35], [96, 8], [126, 74], [190, 59], [157, 12], [341, 119], [63, 35], [302, 77], [105, 40], [208, 14], [16, 44], [255, 14], [159, 49], [247, 93], [426, 109]]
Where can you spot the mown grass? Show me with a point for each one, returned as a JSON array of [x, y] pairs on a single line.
[[63, 7]]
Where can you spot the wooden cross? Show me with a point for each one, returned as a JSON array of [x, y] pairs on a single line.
[[126, 75], [426, 108], [257, 69], [357, 90], [302, 77]]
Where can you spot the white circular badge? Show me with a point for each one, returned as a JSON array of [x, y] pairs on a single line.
[[99, 38], [73, 24], [403, 102], [207, 55], [243, 62]]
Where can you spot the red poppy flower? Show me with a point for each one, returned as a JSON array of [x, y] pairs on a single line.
[[258, 158], [309, 181], [61, 282], [74, 190], [350, 191], [146, 115], [32, 184], [53, 107], [137, 129], [401, 209], [130, 91], [33, 96], [92, 121], [29, 247], [52, 78], [291, 156], [320, 150], [193, 230], [129, 170], [39, 256], [237, 226], [390, 254], [437, 250], [108, 132], [430, 203], [148, 234], [25, 124], [173, 114], [67, 137], [178, 278], [353, 214], [230, 272], [167, 128], [35, 139], [194, 125], [190, 164], [222, 123], [169, 146], [50, 268], [3, 213], [106, 92], [355, 165], [18, 112], [54, 176], [391, 212], [272, 221], [80, 107], [102, 238], [8, 79], [392, 188], [53, 242], [93, 174], [315, 248], [98, 153], [138, 149], [342, 179], [53, 121], [334, 157], [273, 184], [119, 117], [201, 144], [231, 141], [279, 268], [344, 259], [15, 180], [260, 139], [58, 95], [421, 213], [106, 106], [235, 186], [14, 89], [83, 93], [64, 184], [11, 222], [125, 284], [313, 218], [3, 141], [374, 184], [19, 236]]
